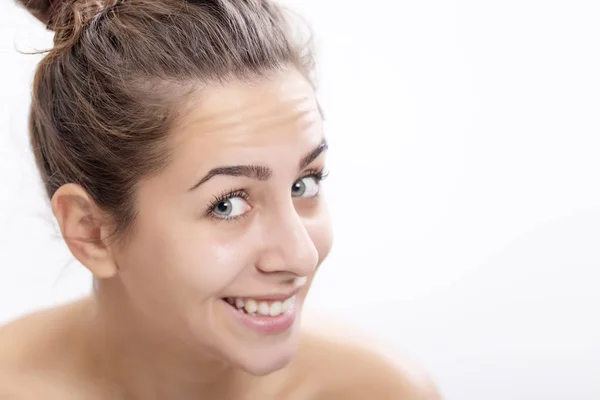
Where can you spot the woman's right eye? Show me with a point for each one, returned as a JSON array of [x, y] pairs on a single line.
[[230, 208]]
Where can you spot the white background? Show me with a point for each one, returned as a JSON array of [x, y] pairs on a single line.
[[465, 190]]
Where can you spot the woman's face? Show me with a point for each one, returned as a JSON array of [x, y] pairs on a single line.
[[236, 225]]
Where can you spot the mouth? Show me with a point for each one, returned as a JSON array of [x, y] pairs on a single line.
[[259, 307]]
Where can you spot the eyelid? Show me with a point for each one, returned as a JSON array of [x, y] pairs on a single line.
[[224, 196], [319, 173]]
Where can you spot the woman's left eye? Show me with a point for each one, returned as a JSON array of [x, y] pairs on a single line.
[[305, 187]]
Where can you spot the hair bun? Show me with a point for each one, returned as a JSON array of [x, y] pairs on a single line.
[[67, 18], [42, 9], [70, 14]]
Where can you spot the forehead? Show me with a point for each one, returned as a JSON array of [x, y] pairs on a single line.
[[230, 120]]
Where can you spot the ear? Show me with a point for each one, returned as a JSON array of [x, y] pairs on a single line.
[[84, 227]]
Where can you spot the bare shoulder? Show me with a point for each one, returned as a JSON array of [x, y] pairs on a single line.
[[349, 366], [31, 347], [27, 385], [36, 337]]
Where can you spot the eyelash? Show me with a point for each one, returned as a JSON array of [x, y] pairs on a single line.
[[224, 197], [318, 174]]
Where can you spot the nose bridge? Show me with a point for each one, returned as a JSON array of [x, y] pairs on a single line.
[[288, 246]]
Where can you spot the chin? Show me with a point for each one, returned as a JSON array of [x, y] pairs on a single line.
[[258, 344], [264, 355], [267, 361]]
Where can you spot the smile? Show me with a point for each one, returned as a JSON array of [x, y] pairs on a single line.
[[266, 308]]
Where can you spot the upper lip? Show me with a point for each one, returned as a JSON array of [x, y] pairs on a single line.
[[273, 296]]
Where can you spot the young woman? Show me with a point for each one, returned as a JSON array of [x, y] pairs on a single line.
[[181, 145]]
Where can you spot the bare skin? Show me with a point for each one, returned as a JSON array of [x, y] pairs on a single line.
[[51, 354], [157, 325]]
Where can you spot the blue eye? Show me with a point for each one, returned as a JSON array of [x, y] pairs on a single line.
[[231, 208], [305, 187], [233, 205], [230, 205]]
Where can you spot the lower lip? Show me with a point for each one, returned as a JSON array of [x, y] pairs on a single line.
[[265, 324]]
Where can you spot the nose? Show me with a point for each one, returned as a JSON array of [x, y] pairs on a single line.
[[288, 246]]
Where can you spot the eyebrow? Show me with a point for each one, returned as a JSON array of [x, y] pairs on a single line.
[[259, 172]]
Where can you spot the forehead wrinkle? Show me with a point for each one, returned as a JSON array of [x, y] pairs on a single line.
[[243, 121], [240, 113]]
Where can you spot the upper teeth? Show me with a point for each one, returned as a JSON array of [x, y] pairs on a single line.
[[260, 307]]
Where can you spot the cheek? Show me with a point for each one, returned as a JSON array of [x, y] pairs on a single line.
[[185, 261]]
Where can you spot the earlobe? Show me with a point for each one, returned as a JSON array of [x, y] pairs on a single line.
[[84, 227]]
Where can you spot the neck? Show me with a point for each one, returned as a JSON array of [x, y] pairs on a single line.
[[140, 361]]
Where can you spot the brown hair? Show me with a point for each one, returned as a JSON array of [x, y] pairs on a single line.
[[107, 94]]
